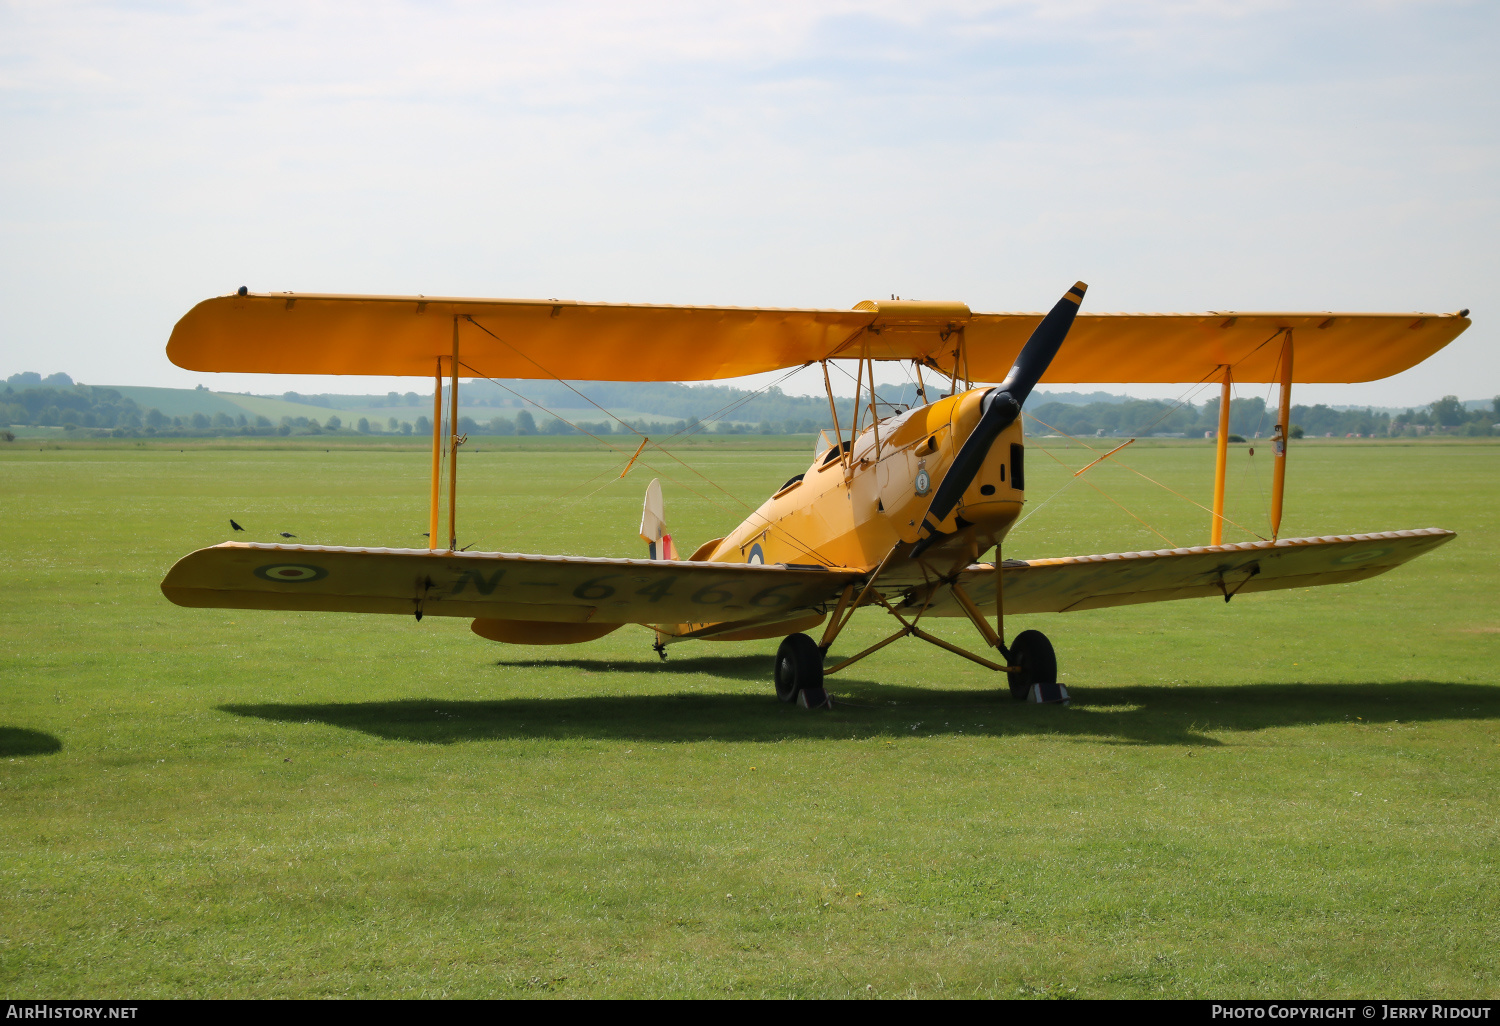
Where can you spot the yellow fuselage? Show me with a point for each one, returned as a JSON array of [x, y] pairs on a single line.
[[853, 511]]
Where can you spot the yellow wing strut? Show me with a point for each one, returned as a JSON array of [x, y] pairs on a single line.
[[1283, 435], [1221, 462], [437, 458], [453, 447]]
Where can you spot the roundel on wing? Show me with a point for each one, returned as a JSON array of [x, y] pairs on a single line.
[[756, 555], [291, 573]]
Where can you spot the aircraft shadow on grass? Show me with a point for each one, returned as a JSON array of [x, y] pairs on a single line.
[[16, 741], [1137, 715]]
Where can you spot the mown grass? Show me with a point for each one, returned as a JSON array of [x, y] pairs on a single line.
[[1294, 794]]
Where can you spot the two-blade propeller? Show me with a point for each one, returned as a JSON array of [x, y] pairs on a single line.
[[999, 410]]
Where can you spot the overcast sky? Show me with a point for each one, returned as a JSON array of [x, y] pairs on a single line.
[[1175, 155]]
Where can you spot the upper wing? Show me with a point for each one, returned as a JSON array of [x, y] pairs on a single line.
[[289, 333], [1190, 347], [1124, 578], [492, 585]]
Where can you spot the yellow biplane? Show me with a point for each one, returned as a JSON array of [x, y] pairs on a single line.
[[896, 513]]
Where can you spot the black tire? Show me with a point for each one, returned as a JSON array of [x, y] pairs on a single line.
[[1033, 653], [799, 666]]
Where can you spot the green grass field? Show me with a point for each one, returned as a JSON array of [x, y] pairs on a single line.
[[1293, 794]]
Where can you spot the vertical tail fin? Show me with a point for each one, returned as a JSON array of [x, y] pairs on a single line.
[[653, 526]]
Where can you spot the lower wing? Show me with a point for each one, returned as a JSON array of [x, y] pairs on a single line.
[[1123, 578], [495, 585]]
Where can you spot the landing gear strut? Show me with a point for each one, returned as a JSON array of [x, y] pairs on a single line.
[[1032, 652], [799, 672]]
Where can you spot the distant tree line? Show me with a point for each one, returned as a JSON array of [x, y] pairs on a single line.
[[1448, 416], [29, 399], [722, 409], [673, 401], [524, 423], [668, 398], [105, 412], [76, 405], [100, 411], [1253, 418]]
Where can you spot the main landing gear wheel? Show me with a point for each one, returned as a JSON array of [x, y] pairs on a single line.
[[799, 672], [1032, 652]]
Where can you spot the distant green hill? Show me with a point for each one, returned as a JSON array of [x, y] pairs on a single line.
[[180, 402]]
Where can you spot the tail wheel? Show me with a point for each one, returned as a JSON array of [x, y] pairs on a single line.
[[799, 669], [1033, 653]]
